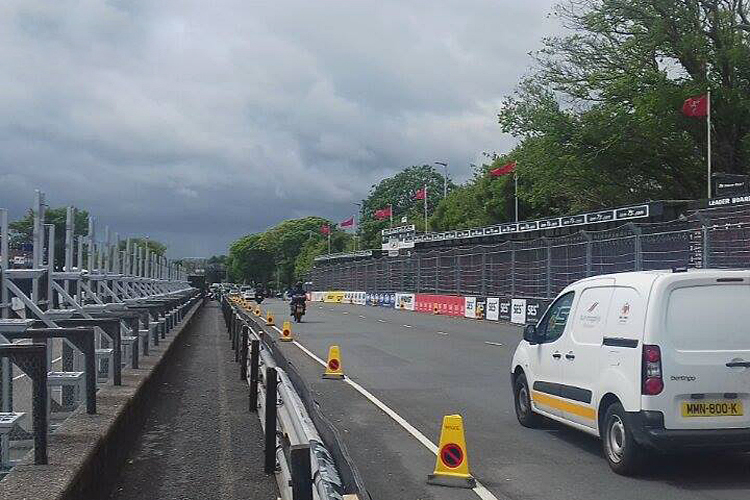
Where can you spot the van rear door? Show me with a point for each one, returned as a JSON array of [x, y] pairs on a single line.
[[706, 353]]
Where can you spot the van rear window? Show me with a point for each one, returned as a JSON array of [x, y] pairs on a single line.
[[707, 318]]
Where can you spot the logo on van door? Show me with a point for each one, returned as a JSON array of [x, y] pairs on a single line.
[[589, 319], [624, 313]]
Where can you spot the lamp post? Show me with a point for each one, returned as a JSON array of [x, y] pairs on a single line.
[[445, 177]]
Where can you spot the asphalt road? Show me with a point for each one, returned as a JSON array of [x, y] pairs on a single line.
[[423, 367], [199, 441]]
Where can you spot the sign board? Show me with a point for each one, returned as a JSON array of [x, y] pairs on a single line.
[[405, 301], [493, 308], [470, 307], [518, 311], [504, 309]]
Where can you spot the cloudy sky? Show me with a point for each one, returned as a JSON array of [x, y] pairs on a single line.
[[194, 122]]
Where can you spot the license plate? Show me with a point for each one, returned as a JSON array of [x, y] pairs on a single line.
[[712, 409]]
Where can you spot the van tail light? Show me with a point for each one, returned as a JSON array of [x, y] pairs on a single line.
[[652, 381]]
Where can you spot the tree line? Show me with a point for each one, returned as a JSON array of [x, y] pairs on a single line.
[[598, 122]]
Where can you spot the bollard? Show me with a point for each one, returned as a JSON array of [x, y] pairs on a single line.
[[243, 353], [254, 362], [240, 332], [302, 484], [270, 452]]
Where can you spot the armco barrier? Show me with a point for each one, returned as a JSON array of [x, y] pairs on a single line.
[[310, 454]]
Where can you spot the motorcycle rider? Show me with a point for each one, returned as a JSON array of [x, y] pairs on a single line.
[[297, 296]]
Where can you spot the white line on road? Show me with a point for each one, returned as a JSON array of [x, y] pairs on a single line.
[[494, 343], [382, 320], [442, 333], [345, 312], [362, 317], [407, 326], [482, 492]]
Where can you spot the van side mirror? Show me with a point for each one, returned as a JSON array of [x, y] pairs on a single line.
[[530, 335]]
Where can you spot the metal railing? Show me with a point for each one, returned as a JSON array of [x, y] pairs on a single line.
[[294, 449], [540, 268], [90, 316]]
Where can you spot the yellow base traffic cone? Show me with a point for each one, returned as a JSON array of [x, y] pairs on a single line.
[[269, 318], [452, 466], [334, 368], [257, 311], [286, 332], [435, 309]]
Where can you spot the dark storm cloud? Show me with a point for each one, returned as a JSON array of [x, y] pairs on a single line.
[[195, 122]]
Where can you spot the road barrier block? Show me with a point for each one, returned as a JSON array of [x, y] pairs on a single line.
[[452, 466], [334, 368], [286, 332]]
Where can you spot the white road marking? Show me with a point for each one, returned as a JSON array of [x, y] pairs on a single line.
[[382, 320], [345, 312], [494, 343], [362, 317], [442, 333], [406, 326], [482, 492]]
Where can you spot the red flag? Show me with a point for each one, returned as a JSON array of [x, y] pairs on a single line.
[[421, 194], [696, 106], [325, 229], [383, 213], [347, 223], [504, 170]]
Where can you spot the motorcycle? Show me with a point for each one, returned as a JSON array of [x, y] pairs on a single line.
[[298, 308]]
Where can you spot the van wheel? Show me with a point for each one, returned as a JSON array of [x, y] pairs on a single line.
[[524, 412], [624, 455]]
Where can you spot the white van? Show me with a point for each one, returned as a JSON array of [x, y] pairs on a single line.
[[652, 360]]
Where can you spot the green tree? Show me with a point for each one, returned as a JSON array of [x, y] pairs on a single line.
[[156, 247], [398, 191], [22, 230], [599, 118]]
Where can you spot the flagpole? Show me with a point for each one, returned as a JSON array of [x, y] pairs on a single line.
[[515, 179], [708, 135], [425, 208], [329, 241], [390, 209]]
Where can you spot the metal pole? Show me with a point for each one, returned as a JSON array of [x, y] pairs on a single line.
[[69, 240], [515, 178], [301, 472], [254, 362], [91, 236], [708, 135], [7, 376], [270, 448]]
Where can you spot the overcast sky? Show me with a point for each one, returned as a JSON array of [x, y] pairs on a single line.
[[195, 122]]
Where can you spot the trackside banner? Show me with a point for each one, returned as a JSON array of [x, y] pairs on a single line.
[[450, 305], [405, 301]]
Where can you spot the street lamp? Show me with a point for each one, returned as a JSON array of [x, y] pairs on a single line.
[[445, 177]]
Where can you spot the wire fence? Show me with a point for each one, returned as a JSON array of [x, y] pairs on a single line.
[[541, 268]]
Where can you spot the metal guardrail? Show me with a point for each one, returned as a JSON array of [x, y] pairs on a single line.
[[295, 451]]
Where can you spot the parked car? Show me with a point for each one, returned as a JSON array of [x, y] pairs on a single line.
[[652, 360]]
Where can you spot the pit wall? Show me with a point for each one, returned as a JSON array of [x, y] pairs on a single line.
[[517, 310]]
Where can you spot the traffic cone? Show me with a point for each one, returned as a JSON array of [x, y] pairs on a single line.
[[334, 368], [269, 318], [435, 309], [452, 466], [286, 332], [257, 311]]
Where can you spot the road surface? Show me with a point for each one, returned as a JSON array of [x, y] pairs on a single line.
[[423, 367]]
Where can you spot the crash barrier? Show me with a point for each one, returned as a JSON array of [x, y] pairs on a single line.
[[716, 237], [302, 447], [94, 308], [518, 310]]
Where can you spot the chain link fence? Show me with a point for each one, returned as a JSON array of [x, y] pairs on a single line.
[[541, 268]]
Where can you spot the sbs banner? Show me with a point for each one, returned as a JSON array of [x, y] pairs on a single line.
[[518, 311], [493, 309], [470, 307]]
